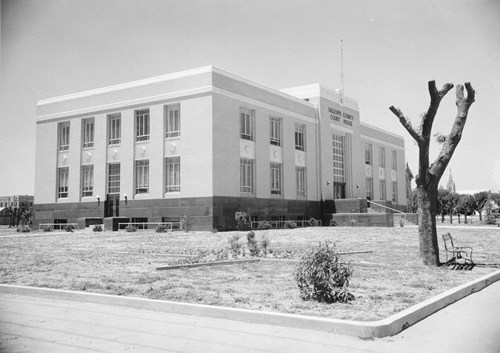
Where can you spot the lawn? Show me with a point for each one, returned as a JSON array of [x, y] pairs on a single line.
[[386, 281]]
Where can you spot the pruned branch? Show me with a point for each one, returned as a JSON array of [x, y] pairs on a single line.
[[436, 97], [455, 135], [406, 124]]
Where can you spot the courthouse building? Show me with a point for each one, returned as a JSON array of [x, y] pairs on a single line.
[[212, 143]]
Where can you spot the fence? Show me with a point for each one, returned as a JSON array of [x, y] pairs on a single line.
[[172, 226], [282, 224], [57, 225]]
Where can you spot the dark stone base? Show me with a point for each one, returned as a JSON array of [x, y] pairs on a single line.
[[112, 223], [84, 222], [206, 213]]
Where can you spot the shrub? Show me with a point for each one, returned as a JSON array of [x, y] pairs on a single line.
[[321, 277], [289, 224], [161, 229], [97, 228], [401, 222], [263, 225], [265, 243], [333, 223], [69, 228], [23, 229], [253, 246], [187, 221], [130, 228], [234, 244], [241, 219], [215, 231], [490, 219], [47, 228], [313, 222]]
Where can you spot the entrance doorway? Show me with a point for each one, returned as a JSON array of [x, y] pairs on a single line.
[[112, 205], [338, 191]]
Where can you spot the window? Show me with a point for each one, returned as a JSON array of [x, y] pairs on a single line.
[[300, 131], [394, 160], [114, 178], [114, 129], [395, 192], [173, 174], [275, 131], [382, 157], [338, 158], [368, 153], [246, 125], [246, 175], [88, 132], [142, 176], [87, 180], [276, 182], [382, 189], [62, 182], [142, 125], [300, 174], [172, 121], [63, 136], [369, 188]]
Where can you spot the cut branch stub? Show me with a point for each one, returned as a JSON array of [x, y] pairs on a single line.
[[406, 123]]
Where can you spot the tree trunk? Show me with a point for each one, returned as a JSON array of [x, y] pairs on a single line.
[[429, 249], [429, 174]]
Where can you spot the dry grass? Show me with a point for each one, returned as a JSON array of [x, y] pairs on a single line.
[[384, 282]]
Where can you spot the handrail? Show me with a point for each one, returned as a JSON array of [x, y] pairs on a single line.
[[389, 208]]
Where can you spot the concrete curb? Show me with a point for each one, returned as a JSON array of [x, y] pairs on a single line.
[[381, 328]]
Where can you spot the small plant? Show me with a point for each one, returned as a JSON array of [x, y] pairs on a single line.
[[23, 229], [215, 231], [322, 277], [263, 225], [235, 245], [161, 229], [264, 243], [47, 228], [333, 223], [490, 219], [241, 219], [289, 224], [187, 221], [69, 228], [130, 228], [401, 222], [97, 228], [252, 244], [313, 222]]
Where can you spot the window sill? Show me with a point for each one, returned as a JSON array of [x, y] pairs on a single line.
[[172, 194], [247, 194], [141, 196]]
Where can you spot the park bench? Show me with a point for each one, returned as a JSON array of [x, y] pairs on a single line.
[[456, 253]]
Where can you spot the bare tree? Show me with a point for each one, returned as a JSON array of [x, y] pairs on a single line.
[[428, 176]]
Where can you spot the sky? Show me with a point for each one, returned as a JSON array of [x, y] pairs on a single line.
[[391, 49]]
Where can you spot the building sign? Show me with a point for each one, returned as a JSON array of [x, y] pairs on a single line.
[[340, 117]]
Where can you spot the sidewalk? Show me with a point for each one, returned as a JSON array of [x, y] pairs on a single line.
[[30, 324]]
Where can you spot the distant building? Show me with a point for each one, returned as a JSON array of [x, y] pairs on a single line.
[[214, 143], [8, 203]]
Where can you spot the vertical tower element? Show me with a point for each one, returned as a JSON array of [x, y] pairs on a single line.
[[342, 70]]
